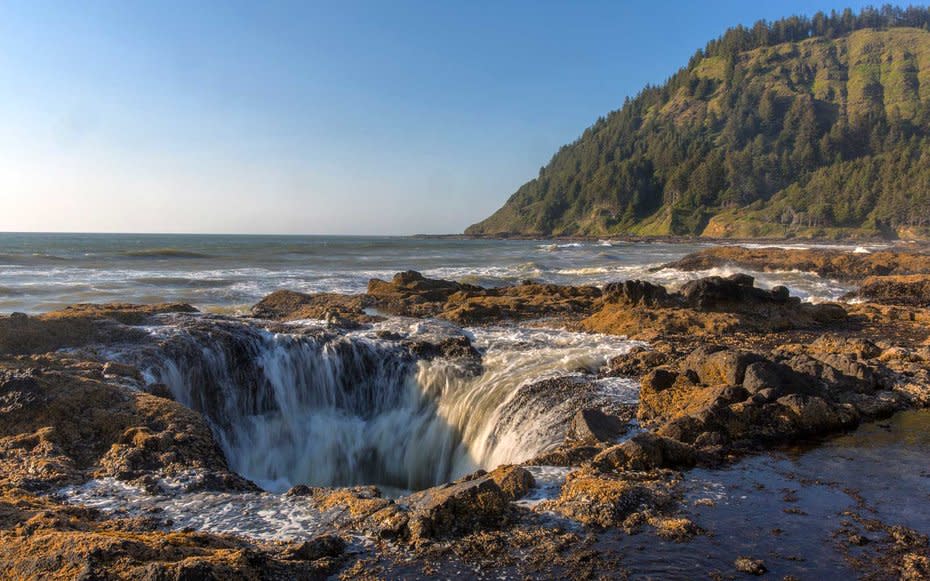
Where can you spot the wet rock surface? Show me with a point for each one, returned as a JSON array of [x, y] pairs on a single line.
[[719, 395], [732, 371], [908, 290], [826, 263], [593, 425], [78, 325]]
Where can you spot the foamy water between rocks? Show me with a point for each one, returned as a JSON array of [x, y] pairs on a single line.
[[305, 405]]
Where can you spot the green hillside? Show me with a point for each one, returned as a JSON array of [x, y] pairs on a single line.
[[801, 127]]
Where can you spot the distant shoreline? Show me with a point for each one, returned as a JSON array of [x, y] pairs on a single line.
[[671, 239]]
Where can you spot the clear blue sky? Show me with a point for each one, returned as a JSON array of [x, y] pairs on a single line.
[[389, 117]]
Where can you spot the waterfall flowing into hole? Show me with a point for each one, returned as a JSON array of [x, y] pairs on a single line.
[[304, 405]]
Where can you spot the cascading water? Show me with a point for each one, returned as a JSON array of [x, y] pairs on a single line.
[[305, 405]]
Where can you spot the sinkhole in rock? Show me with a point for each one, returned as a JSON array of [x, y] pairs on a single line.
[[404, 410]]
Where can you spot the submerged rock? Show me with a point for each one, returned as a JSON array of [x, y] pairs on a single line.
[[750, 566]]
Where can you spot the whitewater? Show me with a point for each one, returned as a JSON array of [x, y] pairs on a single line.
[[224, 273]]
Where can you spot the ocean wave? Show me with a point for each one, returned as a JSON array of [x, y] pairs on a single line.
[[856, 249], [26, 259], [165, 253], [554, 247], [178, 281]]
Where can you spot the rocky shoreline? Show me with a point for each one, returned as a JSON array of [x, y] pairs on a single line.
[[730, 371]]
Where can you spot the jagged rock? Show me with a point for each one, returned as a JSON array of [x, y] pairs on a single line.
[[118, 432], [796, 396], [858, 347], [915, 567], [826, 263], [737, 290], [683, 396], [762, 376], [565, 455], [659, 379], [515, 481], [593, 425], [450, 348], [121, 370], [324, 546], [814, 415], [716, 365], [519, 302], [78, 325], [345, 311], [637, 292], [674, 529], [637, 362], [645, 451], [18, 389], [910, 290], [410, 293], [604, 501], [713, 306], [43, 539], [455, 508]]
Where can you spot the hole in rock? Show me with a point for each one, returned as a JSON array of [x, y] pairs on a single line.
[[392, 406]]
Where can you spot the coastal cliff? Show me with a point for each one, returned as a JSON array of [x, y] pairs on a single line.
[[814, 128]]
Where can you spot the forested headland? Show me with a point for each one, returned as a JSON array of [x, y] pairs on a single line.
[[803, 127]]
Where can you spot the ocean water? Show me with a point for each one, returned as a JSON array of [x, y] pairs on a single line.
[[225, 273]]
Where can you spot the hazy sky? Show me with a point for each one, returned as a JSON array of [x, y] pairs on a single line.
[[386, 117]]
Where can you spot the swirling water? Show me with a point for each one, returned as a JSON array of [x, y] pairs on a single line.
[[304, 406]]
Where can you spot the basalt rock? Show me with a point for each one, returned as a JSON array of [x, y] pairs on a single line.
[[322, 547], [750, 566], [42, 539], [79, 325], [638, 292], [514, 481], [909, 290], [459, 347], [521, 302], [410, 293], [593, 425], [117, 432], [720, 395], [715, 365], [735, 291], [827, 263], [637, 362], [566, 455], [459, 507], [344, 311], [603, 500], [646, 451], [714, 306]]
